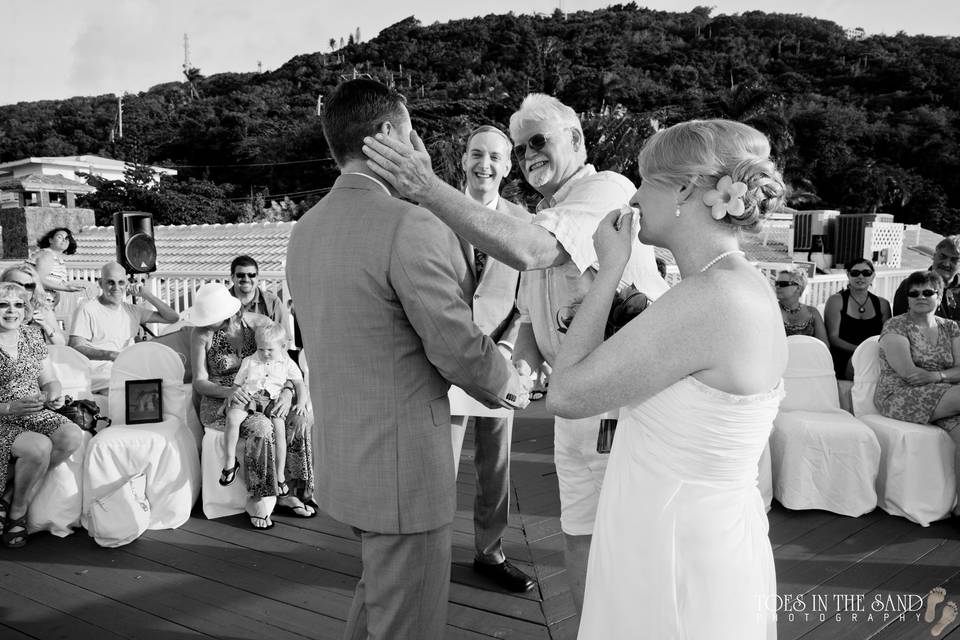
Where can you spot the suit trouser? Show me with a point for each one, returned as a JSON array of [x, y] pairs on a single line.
[[404, 587], [491, 507]]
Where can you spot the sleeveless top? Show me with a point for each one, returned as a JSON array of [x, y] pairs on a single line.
[[855, 330]]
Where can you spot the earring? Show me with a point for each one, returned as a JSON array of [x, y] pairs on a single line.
[[676, 213]]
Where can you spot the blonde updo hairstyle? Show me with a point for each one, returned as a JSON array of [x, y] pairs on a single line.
[[700, 152]]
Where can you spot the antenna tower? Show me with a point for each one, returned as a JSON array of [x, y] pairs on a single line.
[[188, 68]]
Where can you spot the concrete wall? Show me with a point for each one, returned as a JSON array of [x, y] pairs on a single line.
[[22, 227]]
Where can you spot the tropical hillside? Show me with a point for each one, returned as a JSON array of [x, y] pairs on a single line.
[[858, 123]]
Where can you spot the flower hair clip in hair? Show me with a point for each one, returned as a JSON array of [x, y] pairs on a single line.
[[727, 198]]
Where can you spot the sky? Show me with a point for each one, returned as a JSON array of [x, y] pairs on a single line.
[[56, 49]]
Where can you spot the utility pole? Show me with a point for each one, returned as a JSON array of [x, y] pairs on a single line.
[[188, 67], [259, 66], [120, 116]]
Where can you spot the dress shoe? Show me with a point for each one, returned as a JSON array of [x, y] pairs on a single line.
[[505, 575]]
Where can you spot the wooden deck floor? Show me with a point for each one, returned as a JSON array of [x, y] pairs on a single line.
[[221, 579]]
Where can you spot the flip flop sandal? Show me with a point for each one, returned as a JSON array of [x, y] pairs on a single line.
[[15, 533], [300, 510], [263, 519], [283, 490], [537, 395], [227, 476]]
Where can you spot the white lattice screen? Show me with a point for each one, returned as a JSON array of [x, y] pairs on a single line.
[[885, 240]]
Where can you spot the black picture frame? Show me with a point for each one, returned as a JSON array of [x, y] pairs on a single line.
[[143, 401]]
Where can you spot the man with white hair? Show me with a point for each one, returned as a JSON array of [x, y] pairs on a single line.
[[558, 262]]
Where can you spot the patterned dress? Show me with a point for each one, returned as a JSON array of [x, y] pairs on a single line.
[[897, 399], [794, 327], [256, 431], [18, 379]]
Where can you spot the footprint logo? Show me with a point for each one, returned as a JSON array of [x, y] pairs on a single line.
[[947, 616], [934, 597]]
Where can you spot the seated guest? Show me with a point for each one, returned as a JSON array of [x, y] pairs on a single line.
[[243, 274], [798, 319], [103, 327], [40, 312], [946, 262], [919, 357], [853, 315], [223, 336], [32, 436]]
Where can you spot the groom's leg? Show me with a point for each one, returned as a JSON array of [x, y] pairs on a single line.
[[404, 588]]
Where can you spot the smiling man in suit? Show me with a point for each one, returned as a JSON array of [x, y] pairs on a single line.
[[379, 285], [486, 162]]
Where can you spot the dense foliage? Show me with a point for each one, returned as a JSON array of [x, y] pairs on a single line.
[[858, 124]]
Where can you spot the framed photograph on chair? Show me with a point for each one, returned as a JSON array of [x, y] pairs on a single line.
[[143, 400]]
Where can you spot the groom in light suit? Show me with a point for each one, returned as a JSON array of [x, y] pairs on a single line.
[[379, 285], [486, 162]]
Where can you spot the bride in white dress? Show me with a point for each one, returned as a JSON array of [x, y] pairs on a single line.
[[680, 547]]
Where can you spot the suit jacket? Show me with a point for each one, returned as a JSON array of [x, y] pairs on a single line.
[[378, 284], [496, 292]]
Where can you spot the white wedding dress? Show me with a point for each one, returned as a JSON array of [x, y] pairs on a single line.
[[680, 548]]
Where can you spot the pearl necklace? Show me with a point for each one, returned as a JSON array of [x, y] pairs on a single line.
[[719, 258]]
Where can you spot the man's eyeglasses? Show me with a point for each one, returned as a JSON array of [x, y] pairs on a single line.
[[783, 284], [926, 293], [536, 142], [856, 273], [240, 275], [6, 305]]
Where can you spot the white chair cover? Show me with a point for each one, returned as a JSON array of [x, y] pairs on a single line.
[[765, 478], [917, 479], [822, 457], [165, 452], [72, 369], [56, 507]]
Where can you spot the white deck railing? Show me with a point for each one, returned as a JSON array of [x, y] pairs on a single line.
[[176, 287]]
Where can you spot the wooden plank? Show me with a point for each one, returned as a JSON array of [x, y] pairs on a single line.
[[198, 604], [112, 618], [35, 619], [843, 589], [918, 577], [493, 624]]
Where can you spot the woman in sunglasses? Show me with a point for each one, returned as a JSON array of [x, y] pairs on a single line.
[[40, 311], [32, 435], [853, 315], [798, 319], [919, 357]]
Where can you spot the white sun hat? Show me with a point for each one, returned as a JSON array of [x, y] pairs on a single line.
[[212, 304]]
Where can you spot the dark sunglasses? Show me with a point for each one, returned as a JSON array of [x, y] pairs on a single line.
[[536, 142], [783, 284], [239, 275], [29, 286], [856, 273], [926, 293], [12, 305]]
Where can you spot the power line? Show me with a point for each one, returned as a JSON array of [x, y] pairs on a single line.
[[253, 164], [274, 196]]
